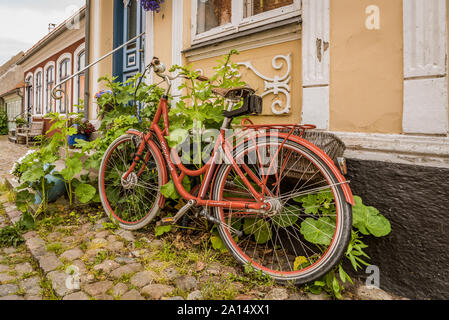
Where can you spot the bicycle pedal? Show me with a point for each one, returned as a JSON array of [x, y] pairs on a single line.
[[168, 221]]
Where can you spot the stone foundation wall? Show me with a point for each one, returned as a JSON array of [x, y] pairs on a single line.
[[414, 258]]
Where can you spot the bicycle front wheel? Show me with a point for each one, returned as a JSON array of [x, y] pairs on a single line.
[[132, 202], [306, 231]]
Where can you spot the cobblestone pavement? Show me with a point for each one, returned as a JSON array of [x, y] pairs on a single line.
[[9, 153], [79, 255]]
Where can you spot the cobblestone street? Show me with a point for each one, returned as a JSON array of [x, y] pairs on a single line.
[[9, 153], [79, 255]]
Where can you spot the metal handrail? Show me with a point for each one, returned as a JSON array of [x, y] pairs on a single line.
[[62, 91]]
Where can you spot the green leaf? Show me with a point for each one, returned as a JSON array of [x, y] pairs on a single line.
[[176, 137], [26, 222], [217, 243], [309, 202], [368, 220], [336, 288], [34, 174], [169, 191], [73, 167], [85, 192], [288, 217], [160, 230], [343, 275], [259, 228], [319, 231]]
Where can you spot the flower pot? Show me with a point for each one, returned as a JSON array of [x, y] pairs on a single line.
[[55, 192], [72, 139]]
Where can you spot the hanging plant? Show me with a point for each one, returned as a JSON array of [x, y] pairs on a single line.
[[153, 5]]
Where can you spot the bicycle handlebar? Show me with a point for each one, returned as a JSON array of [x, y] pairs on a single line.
[[159, 68]]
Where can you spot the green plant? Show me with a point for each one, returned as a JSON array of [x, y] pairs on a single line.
[[20, 121], [366, 221], [124, 106], [73, 164], [198, 109], [3, 122], [32, 170], [55, 247], [12, 235]]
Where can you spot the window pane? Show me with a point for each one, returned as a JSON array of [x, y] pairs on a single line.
[[213, 13], [81, 61], [132, 20], [48, 89], [39, 93], [253, 7]]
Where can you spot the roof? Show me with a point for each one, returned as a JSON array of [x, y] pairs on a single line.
[[51, 36], [5, 67], [17, 88]]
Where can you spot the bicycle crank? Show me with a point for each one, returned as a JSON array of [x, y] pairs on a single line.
[[205, 214]]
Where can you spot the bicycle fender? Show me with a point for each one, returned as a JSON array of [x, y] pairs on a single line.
[[320, 153], [159, 158]]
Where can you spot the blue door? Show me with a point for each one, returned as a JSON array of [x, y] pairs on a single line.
[[129, 22]]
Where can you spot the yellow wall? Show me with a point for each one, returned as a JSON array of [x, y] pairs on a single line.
[[261, 59], [366, 76], [100, 48], [163, 33]]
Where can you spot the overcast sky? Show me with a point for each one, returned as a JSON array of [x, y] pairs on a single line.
[[24, 22]]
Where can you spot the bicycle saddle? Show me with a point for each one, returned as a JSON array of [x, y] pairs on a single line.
[[234, 94]]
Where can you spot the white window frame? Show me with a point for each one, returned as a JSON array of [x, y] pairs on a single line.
[[29, 78], [62, 58], [36, 93], [47, 66], [238, 23], [76, 55]]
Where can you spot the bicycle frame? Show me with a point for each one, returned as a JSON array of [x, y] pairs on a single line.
[[221, 148]]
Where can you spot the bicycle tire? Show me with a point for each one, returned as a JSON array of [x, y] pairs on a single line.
[[147, 200], [326, 262]]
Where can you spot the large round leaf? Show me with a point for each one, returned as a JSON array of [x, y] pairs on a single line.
[[85, 192], [320, 231], [288, 216], [259, 228]]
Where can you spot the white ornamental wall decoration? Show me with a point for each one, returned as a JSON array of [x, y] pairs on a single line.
[[276, 85]]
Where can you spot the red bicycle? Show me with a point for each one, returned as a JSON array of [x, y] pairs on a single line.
[[279, 202]]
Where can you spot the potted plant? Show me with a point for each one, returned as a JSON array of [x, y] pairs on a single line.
[[20, 122], [84, 130]]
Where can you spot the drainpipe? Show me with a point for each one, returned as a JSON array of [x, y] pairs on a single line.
[[87, 57]]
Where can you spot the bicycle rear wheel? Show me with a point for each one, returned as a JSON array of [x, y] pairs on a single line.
[[308, 229], [132, 202]]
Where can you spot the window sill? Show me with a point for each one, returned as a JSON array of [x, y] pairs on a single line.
[[278, 25]]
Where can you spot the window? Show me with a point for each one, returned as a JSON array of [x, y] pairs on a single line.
[[253, 7], [29, 94], [64, 72], [38, 100], [215, 18], [212, 14], [132, 20], [49, 84], [81, 63]]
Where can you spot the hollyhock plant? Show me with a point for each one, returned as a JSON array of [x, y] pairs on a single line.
[[153, 5]]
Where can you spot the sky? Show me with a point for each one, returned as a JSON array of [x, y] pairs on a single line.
[[25, 22]]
